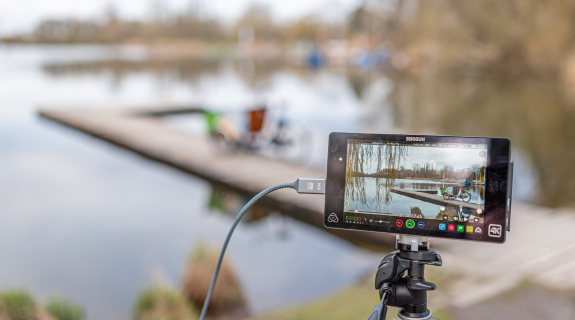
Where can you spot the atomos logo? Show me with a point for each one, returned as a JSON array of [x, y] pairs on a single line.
[[333, 218], [414, 138]]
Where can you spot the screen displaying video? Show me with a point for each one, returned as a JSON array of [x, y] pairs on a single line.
[[418, 180]]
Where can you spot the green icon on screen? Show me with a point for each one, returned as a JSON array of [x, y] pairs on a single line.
[[409, 223], [460, 228]]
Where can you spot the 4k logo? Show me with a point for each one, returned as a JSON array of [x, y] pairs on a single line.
[[495, 230]]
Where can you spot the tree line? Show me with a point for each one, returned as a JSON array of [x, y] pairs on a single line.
[[427, 171], [191, 23]]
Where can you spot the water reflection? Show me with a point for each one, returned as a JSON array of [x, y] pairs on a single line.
[[533, 112], [270, 237], [406, 198], [188, 71], [99, 220], [225, 201]]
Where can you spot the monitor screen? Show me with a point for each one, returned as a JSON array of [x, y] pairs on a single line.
[[443, 181]]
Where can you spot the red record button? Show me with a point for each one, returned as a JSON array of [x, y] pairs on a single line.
[[399, 222]]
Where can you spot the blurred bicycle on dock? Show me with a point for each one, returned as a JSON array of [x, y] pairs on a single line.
[[261, 129]]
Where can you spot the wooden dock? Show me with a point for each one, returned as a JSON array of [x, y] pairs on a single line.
[[427, 196], [141, 130], [540, 247]]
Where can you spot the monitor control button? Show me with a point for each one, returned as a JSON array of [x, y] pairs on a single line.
[[410, 224]]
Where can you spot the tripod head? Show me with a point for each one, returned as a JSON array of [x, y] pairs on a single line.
[[408, 292]]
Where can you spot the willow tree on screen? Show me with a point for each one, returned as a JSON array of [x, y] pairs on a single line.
[[379, 161]]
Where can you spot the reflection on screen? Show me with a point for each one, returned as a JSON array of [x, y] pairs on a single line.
[[418, 180]]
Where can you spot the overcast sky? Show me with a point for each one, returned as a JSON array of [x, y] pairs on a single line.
[[23, 15]]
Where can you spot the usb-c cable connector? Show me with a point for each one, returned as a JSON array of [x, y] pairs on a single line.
[[309, 185]]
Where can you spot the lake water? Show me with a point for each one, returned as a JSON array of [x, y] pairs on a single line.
[[381, 199], [90, 222], [534, 113]]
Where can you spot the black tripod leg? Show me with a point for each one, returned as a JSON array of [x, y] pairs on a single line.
[[378, 313], [380, 310]]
